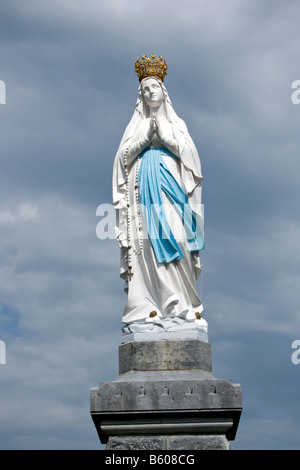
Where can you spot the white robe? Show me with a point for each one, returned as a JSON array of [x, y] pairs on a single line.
[[164, 290]]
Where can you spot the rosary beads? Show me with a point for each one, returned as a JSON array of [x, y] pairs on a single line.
[[131, 238]]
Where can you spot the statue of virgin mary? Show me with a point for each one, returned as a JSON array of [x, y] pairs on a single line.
[[157, 196]]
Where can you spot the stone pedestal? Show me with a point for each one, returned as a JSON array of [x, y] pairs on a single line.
[[166, 398]]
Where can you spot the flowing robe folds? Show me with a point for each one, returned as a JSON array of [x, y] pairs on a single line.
[[159, 223]]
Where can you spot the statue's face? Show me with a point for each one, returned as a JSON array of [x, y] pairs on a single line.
[[152, 92]]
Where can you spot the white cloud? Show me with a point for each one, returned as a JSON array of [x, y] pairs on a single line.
[[251, 280], [54, 378], [24, 212], [52, 266], [68, 329]]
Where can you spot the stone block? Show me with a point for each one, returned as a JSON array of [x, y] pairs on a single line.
[[178, 442], [166, 397], [165, 355], [136, 443], [204, 442]]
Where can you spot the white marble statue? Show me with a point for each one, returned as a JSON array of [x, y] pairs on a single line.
[[157, 196]]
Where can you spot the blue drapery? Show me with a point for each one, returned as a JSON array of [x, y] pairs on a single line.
[[153, 178]]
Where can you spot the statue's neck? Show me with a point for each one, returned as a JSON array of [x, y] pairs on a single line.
[[159, 111]]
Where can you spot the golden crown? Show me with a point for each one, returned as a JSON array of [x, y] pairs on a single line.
[[151, 67]]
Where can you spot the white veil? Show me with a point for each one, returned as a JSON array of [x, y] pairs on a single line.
[[191, 176]]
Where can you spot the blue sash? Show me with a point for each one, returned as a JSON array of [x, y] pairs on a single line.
[[154, 177]]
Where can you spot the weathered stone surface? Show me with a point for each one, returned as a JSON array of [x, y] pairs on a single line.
[[166, 397], [173, 394], [192, 442], [136, 443], [165, 355], [178, 442]]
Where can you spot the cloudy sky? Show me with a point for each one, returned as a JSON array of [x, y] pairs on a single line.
[[71, 88]]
